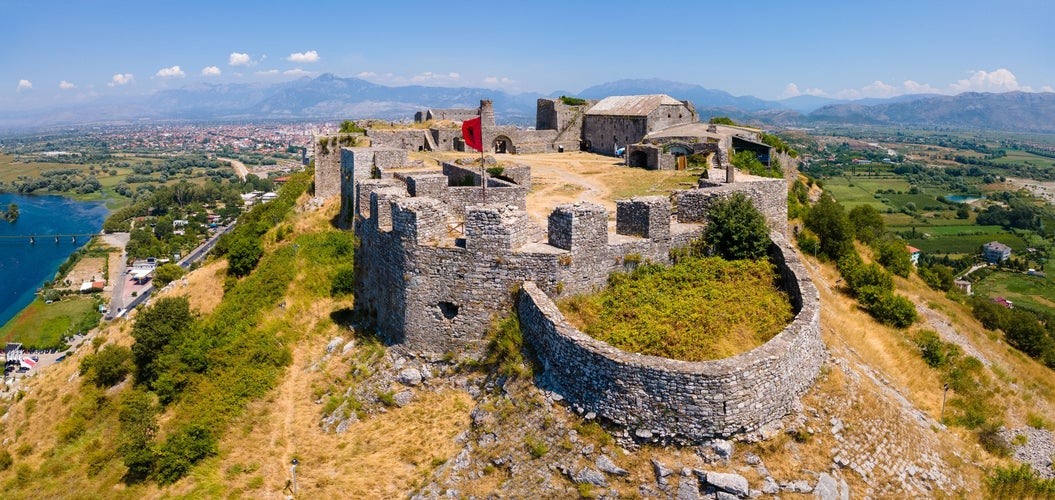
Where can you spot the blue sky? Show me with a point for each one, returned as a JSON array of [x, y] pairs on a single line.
[[58, 52]]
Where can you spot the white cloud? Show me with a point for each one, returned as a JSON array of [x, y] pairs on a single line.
[[24, 85], [121, 79], [304, 57], [239, 59], [298, 72], [64, 85], [498, 80], [366, 74], [210, 71], [270, 72], [793, 90], [173, 72], [912, 87], [1000, 80]]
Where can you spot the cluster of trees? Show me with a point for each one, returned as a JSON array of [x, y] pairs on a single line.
[[11, 214], [1020, 214], [1030, 332], [830, 234], [61, 181]]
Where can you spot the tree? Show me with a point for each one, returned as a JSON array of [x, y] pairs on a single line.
[[167, 273], [721, 120], [736, 229], [894, 256], [107, 367], [831, 224], [937, 276], [138, 418], [156, 328], [349, 127], [243, 255], [867, 223]]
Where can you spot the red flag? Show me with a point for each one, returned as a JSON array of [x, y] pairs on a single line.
[[472, 133]]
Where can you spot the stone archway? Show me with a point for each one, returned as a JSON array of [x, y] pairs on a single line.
[[638, 159], [679, 150], [503, 144]]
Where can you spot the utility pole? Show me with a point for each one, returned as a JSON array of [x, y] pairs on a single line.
[[293, 470]]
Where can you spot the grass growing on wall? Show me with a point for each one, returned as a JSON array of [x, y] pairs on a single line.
[[698, 309]]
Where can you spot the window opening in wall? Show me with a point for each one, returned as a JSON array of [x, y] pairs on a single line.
[[448, 309]]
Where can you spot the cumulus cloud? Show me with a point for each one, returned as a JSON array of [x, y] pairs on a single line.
[[64, 85], [366, 74], [121, 79], [1000, 80], [793, 90], [304, 57], [298, 72], [1047, 88], [210, 71], [173, 72], [239, 59], [24, 85], [498, 81], [270, 72]]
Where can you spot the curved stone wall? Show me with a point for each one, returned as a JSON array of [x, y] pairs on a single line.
[[668, 399]]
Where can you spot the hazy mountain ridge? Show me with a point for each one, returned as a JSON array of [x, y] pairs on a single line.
[[333, 98]]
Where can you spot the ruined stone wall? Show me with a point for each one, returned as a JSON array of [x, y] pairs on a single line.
[[447, 139], [670, 400], [605, 132], [328, 163], [770, 196], [405, 139], [670, 115]]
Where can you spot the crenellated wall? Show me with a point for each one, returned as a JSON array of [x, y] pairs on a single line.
[[671, 400], [435, 266]]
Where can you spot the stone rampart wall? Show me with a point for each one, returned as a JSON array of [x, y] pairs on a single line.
[[405, 139], [328, 163], [770, 196], [670, 400]]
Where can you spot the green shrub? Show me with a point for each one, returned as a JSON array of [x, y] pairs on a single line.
[[505, 349], [537, 447], [736, 229], [181, 451], [572, 101], [107, 367], [167, 273], [5, 460], [343, 282], [1018, 482]]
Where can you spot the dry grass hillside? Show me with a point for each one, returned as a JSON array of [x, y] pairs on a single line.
[[871, 425]]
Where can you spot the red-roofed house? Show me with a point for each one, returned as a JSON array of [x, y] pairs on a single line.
[[913, 254]]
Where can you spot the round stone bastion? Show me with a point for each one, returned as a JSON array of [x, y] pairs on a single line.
[[670, 400]]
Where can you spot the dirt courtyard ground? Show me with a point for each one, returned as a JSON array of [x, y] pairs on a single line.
[[572, 177]]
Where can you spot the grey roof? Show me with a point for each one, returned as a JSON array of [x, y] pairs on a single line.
[[631, 105], [997, 246], [696, 129]]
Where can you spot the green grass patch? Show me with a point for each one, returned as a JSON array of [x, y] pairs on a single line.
[[1031, 292], [967, 244], [42, 326], [683, 311]]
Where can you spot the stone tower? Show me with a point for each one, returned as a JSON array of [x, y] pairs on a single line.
[[487, 124]]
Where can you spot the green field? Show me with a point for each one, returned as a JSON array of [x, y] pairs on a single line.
[[1025, 291], [1022, 157], [42, 326], [967, 244]]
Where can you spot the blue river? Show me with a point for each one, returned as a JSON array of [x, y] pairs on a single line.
[[24, 266]]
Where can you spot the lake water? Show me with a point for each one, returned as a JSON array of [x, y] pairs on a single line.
[[23, 267], [961, 198]]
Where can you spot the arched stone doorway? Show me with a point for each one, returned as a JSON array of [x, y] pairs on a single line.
[[638, 159], [679, 150], [503, 144]]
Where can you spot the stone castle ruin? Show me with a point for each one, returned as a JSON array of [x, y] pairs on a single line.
[[653, 132], [439, 259]]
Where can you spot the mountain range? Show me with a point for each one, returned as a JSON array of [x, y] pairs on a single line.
[[331, 97]]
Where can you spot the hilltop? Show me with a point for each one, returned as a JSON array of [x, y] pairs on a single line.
[[365, 421]]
